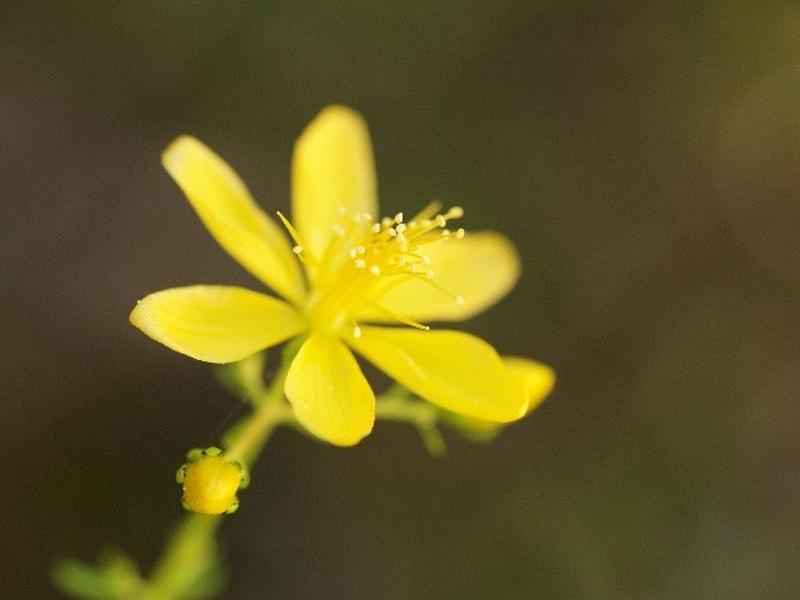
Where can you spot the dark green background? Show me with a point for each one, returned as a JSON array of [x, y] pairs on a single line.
[[645, 160]]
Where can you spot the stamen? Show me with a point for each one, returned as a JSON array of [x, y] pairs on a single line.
[[460, 233], [455, 212], [401, 318], [457, 298], [427, 212], [299, 248], [290, 228], [375, 270]]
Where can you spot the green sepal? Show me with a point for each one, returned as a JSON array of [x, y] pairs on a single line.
[[474, 430], [244, 378]]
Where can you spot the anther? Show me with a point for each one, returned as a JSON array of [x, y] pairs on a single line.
[[441, 221], [455, 212], [398, 218], [298, 249], [401, 227], [460, 233], [376, 227], [375, 270], [360, 263], [357, 331]]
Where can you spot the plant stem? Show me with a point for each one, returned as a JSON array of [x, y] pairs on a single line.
[[191, 553]]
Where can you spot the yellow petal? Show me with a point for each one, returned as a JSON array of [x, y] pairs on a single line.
[[329, 393], [455, 370], [228, 211], [216, 324], [332, 169], [538, 378], [481, 268]]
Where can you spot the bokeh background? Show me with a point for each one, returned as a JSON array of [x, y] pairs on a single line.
[[644, 158]]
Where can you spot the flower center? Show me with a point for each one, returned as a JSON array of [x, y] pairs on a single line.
[[365, 258]]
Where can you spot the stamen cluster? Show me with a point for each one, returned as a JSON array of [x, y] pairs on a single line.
[[366, 258]]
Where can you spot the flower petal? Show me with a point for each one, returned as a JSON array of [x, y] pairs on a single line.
[[332, 169], [216, 324], [538, 378], [481, 268], [228, 211], [455, 370], [329, 393]]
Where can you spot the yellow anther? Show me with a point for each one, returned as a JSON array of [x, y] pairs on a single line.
[[455, 212], [298, 249], [375, 270], [460, 233]]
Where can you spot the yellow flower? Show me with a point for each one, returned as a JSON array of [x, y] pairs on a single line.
[[347, 272]]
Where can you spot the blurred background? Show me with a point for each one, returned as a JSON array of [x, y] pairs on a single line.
[[645, 160]]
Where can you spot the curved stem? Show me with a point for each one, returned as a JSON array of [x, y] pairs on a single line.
[[191, 554]]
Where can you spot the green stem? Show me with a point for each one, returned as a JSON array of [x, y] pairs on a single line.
[[191, 553], [400, 408], [424, 416]]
